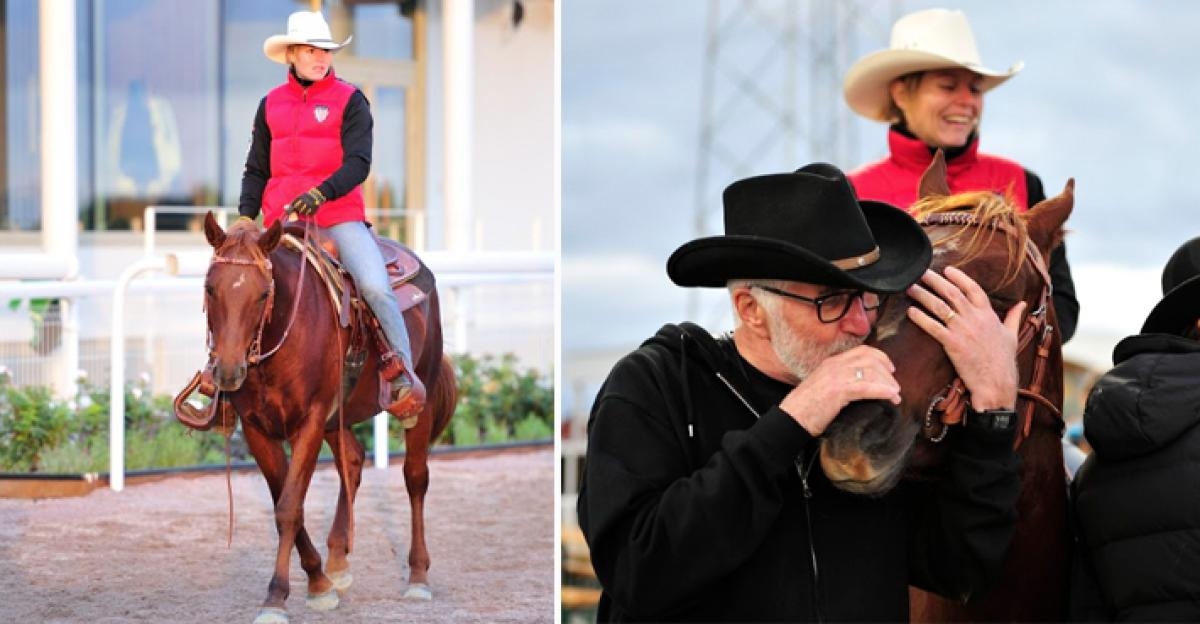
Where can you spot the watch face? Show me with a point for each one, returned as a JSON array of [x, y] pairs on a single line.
[[997, 419]]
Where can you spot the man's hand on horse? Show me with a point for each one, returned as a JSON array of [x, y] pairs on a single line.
[[982, 348], [308, 202]]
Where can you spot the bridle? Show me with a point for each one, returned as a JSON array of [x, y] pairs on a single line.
[[255, 354], [949, 406]]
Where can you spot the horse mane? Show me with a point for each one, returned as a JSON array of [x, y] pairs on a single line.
[[991, 212], [242, 236]]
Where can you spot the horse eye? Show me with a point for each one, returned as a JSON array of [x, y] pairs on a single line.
[[208, 290], [263, 297]]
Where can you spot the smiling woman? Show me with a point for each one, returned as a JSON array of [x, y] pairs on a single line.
[[929, 85]]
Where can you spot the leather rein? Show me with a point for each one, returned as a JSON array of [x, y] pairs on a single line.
[[949, 406], [255, 354]]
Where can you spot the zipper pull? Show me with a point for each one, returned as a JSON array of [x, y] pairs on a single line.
[[799, 461]]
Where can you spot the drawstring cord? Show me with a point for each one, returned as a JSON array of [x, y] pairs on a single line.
[[803, 471], [687, 391], [687, 399]]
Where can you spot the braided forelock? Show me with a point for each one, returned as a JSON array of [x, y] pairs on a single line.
[[986, 208]]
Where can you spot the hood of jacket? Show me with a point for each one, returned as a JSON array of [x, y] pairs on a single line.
[[1150, 398], [700, 358], [692, 344]]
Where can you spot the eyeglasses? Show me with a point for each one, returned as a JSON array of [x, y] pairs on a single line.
[[832, 307]]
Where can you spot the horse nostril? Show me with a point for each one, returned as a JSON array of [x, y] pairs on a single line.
[[880, 428], [860, 420]]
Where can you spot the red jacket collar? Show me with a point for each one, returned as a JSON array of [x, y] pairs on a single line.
[[320, 85], [913, 154]]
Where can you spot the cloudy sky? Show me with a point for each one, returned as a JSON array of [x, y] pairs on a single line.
[[1107, 96]]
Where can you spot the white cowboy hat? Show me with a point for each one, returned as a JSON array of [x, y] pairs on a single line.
[[306, 28], [924, 40]]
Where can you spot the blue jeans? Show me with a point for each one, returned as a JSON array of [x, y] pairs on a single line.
[[361, 258]]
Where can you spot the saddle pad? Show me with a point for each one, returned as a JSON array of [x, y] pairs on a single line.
[[330, 275], [402, 265]]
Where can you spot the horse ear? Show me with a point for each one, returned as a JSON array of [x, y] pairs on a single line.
[[1045, 220], [212, 231], [933, 182], [270, 239]]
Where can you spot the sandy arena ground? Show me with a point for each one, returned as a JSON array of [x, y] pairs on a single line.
[[157, 551]]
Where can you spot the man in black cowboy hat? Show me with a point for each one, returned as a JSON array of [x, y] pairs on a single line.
[[1135, 498], [700, 501]]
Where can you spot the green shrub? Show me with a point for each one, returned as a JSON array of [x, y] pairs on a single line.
[[31, 422], [494, 397], [498, 402], [533, 427]]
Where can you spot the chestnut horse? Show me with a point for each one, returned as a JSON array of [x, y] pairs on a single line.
[[1006, 252], [280, 369]]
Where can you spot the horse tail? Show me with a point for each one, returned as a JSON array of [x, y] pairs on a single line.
[[444, 399]]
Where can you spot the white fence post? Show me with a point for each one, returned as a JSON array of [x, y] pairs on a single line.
[[116, 404], [381, 440]]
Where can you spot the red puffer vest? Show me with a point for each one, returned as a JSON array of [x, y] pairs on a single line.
[[894, 179], [306, 147]]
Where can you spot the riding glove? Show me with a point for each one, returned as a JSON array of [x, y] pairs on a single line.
[[307, 203]]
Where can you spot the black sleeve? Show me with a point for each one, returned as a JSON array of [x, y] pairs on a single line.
[[258, 165], [357, 129], [964, 523], [657, 528], [1066, 307]]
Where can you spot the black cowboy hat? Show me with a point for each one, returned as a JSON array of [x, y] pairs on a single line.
[[1179, 306], [806, 226]]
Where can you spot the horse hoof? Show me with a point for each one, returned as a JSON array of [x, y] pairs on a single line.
[[327, 601], [271, 615], [418, 591], [342, 579]]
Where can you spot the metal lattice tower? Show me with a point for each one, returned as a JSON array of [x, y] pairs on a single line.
[[771, 93]]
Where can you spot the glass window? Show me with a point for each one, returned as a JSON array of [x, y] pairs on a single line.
[[157, 120], [20, 160], [388, 164], [380, 31], [247, 77]]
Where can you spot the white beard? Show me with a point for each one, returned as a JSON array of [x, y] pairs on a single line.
[[800, 354]]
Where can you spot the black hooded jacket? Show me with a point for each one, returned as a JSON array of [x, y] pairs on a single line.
[[1137, 498], [695, 508]]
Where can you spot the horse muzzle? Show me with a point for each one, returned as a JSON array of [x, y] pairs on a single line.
[[864, 450], [229, 378]]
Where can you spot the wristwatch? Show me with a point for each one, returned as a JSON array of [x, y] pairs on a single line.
[[1001, 419]]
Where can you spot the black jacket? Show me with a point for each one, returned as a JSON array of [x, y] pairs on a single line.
[[695, 510], [1137, 498]]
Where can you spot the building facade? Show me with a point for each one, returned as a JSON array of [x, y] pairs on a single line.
[[108, 107]]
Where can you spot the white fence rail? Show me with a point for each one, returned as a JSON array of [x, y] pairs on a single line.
[[488, 292]]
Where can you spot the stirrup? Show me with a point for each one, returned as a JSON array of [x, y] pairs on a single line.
[[219, 413], [408, 399]]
